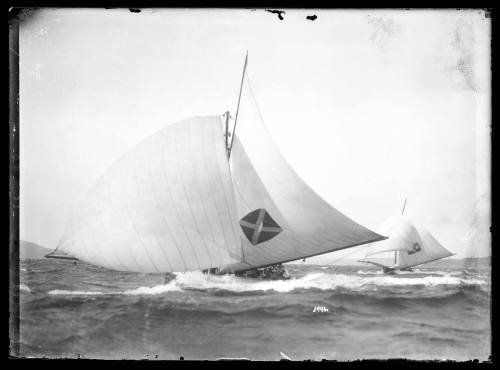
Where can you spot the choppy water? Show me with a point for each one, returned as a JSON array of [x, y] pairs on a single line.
[[72, 310]]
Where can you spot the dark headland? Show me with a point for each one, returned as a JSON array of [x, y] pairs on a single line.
[[29, 250]]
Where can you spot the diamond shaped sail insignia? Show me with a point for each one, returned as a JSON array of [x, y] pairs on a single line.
[[258, 226], [416, 248]]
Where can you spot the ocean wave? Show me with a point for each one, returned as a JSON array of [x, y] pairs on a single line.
[[318, 280], [75, 292], [414, 272], [158, 289], [377, 272]]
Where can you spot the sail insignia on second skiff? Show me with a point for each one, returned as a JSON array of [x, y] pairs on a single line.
[[411, 246]]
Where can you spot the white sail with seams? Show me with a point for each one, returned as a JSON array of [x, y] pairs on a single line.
[[175, 203], [167, 205], [408, 245]]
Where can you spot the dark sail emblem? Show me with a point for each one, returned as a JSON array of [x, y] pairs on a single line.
[[416, 248], [258, 226]]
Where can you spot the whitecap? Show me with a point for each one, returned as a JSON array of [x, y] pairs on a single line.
[[24, 288], [159, 289], [377, 272], [317, 280], [414, 272], [74, 292]]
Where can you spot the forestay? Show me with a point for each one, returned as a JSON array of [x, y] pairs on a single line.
[[167, 205]]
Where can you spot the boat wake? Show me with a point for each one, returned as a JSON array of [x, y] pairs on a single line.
[[377, 272], [158, 289], [414, 272], [319, 281]]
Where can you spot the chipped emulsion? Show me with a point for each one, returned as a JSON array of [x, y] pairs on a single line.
[[277, 12]]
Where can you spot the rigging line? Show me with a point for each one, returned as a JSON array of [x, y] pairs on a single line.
[[238, 106], [347, 255], [404, 205]]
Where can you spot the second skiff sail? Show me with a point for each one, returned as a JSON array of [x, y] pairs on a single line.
[[410, 245]]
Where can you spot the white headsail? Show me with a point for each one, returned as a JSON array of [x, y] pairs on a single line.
[[300, 223], [411, 245], [432, 250], [167, 205]]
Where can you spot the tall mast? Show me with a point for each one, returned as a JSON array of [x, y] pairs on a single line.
[[396, 252], [238, 107], [226, 134]]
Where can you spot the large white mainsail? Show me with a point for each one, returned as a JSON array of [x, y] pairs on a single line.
[[300, 223], [411, 245], [175, 203], [167, 205]]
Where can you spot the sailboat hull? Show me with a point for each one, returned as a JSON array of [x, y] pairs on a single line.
[[274, 272]]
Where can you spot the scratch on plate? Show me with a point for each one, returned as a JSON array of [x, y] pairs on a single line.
[[385, 28]]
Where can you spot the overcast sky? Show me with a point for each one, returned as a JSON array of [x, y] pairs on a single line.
[[369, 107]]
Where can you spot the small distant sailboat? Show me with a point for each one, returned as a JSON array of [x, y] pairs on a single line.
[[410, 246], [195, 196], [58, 254]]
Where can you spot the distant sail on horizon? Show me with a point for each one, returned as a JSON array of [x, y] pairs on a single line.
[[409, 244], [175, 203]]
